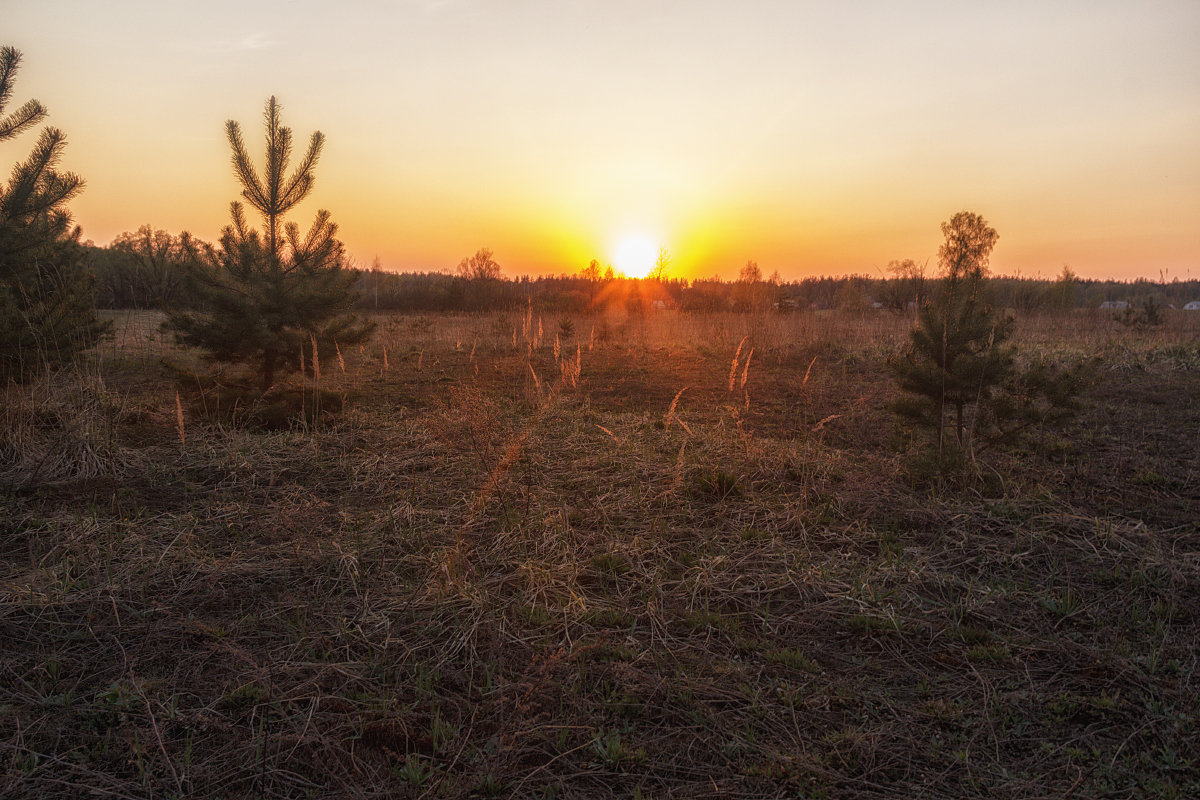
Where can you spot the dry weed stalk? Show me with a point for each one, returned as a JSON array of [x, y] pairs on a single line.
[[733, 367], [820, 425], [615, 438], [571, 368], [341, 361], [807, 371], [677, 477], [746, 368], [670, 415], [537, 384], [316, 358], [179, 421], [385, 359]]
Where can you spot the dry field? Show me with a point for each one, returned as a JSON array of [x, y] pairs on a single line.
[[631, 569]]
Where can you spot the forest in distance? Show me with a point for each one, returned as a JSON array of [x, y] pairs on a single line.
[[142, 270]]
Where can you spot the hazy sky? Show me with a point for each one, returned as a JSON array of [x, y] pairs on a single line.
[[823, 137]]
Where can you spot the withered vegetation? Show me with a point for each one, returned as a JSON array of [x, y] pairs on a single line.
[[452, 564]]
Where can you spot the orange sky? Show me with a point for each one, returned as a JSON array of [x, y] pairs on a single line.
[[814, 138]]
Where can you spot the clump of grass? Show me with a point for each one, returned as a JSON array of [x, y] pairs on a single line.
[[614, 751], [793, 658], [988, 653], [717, 484], [62, 427]]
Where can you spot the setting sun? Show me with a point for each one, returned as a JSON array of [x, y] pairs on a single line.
[[635, 255]]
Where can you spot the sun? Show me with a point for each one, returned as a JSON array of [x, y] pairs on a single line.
[[635, 255]]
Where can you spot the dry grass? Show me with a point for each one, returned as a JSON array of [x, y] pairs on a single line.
[[470, 583]]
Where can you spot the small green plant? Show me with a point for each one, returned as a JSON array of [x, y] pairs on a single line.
[[1064, 604], [613, 751], [441, 732], [415, 772], [490, 786], [610, 565], [794, 658], [872, 625], [244, 697], [988, 653], [115, 698]]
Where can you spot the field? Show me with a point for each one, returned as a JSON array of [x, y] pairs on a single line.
[[644, 567]]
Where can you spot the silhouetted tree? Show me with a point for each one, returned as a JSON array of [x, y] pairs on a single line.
[[907, 285], [750, 293], [480, 266], [662, 263], [959, 356], [145, 268], [591, 274], [957, 352], [268, 297], [1061, 295], [47, 304]]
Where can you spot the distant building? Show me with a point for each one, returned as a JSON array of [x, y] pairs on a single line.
[[1115, 305]]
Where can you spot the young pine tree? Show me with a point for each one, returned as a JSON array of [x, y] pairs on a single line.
[[47, 304], [958, 353], [960, 371], [269, 295]]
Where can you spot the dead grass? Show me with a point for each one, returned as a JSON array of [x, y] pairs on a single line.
[[468, 585]]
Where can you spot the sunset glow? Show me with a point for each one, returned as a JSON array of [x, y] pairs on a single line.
[[635, 255], [814, 138]]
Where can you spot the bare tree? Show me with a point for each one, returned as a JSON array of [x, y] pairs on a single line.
[[661, 264], [480, 266]]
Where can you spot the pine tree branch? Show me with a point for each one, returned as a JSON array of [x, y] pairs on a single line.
[[22, 119], [302, 179], [243, 168]]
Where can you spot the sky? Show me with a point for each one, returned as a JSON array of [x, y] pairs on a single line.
[[815, 138]]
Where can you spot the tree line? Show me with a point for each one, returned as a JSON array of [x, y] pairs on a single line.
[[145, 269]]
